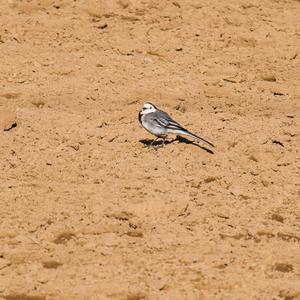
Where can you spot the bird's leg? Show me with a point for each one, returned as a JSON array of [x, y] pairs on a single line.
[[151, 144], [163, 141], [177, 138], [158, 146]]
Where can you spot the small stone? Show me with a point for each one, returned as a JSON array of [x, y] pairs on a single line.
[[75, 147], [135, 234], [51, 264], [265, 183], [268, 77], [277, 218], [253, 158], [196, 184], [63, 237], [102, 25], [175, 3], [283, 267], [210, 179], [121, 215], [124, 3]]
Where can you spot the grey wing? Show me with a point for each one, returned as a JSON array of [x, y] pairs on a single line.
[[165, 120]]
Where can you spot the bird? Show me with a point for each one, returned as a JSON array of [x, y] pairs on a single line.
[[160, 124]]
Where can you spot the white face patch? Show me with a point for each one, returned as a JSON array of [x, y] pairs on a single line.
[[148, 108]]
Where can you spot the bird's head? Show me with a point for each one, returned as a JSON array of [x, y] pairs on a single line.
[[148, 108]]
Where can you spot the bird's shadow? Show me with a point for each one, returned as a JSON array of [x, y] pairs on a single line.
[[159, 144]]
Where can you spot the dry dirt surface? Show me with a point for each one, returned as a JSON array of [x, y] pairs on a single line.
[[87, 211]]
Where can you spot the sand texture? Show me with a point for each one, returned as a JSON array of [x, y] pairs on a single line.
[[87, 211]]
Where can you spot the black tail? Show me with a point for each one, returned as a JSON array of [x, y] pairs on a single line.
[[176, 128], [199, 138]]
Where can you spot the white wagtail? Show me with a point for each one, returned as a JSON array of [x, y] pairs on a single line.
[[160, 124]]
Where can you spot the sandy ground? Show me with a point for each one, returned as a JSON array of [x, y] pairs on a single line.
[[87, 211]]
